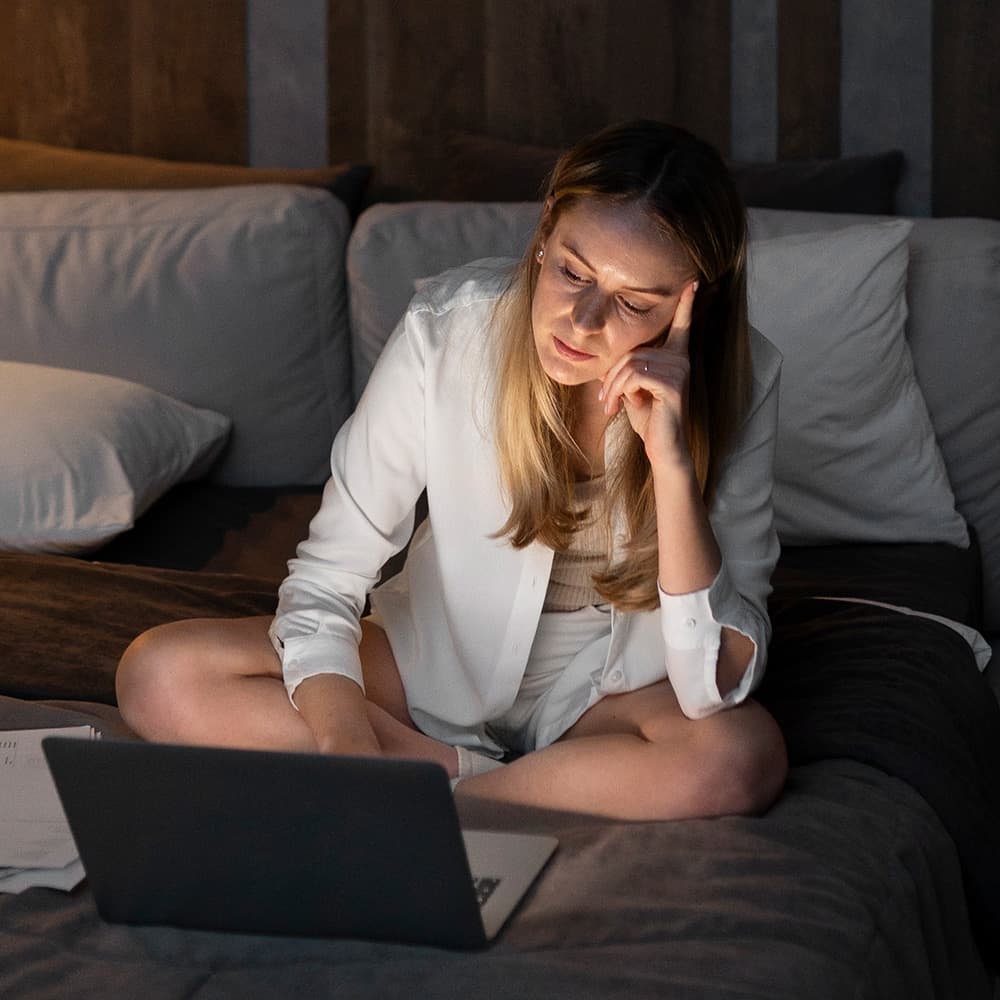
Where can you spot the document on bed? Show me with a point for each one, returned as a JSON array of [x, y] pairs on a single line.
[[36, 845]]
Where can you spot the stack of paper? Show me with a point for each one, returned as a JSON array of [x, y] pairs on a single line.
[[36, 846]]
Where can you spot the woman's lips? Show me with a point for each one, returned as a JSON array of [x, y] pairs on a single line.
[[568, 352]]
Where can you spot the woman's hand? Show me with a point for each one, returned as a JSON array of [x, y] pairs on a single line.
[[652, 384], [334, 708]]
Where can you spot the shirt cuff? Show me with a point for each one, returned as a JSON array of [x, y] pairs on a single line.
[[308, 655], [692, 633]]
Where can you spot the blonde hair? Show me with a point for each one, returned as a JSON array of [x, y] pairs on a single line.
[[684, 185]]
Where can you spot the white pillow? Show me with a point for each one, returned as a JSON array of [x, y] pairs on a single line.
[[857, 459], [83, 455]]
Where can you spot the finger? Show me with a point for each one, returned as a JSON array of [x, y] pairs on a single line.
[[632, 376], [680, 327]]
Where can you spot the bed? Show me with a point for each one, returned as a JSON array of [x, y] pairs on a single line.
[[200, 349]]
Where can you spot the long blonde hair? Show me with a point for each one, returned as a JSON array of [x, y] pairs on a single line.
[[684, 185]]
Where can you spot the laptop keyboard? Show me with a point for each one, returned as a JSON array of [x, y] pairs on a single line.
[[484, 888]]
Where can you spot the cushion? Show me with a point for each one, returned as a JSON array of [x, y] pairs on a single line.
[[35, 166], [857, 458], [394, 246], [229, 298], [953, 291], [83, 455], [482, 168]]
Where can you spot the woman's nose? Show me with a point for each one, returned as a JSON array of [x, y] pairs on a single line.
[[589, 310]]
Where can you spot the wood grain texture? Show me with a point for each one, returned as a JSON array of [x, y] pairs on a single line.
[[168, 78], [425, 80], [808, 78], [188, 63], [702, 69], [347, 80], [966, 174], [542, 72], [8, 69], [68, 69], [161, 77]]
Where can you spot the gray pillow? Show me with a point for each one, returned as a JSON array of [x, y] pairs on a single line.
[[857, 458]]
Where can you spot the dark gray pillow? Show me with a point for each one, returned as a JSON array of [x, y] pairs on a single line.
[[482, 168]]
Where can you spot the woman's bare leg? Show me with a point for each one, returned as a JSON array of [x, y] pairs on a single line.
[[218, 682], [636, 756]]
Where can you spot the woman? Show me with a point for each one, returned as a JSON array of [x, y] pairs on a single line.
[[594, 429]]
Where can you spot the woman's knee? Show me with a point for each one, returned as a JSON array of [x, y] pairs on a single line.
[[151, 677], [168, 671], [745, 760]]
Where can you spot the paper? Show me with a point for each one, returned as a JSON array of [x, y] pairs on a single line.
[[36, 845], [18, 879]]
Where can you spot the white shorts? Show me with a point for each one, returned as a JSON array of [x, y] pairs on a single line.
[[561, 681]]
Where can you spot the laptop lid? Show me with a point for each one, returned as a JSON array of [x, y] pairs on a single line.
[[276, 843]]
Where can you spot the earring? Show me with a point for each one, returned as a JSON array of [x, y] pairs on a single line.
[[540, 254]]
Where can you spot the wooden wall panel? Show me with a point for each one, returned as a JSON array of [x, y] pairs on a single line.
[[347, 80], [546, 65], [808, 78], [424, 80], [188, 63], [701, 66], [966, 175], [161, 77], [69, 67], [168, 78], [8, 69], [540, 72]]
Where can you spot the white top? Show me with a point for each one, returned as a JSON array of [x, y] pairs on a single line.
[[462, 613]]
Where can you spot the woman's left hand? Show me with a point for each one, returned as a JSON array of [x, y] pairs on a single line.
[[652, 384]]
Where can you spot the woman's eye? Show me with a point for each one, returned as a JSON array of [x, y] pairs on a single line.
[[633, 309], [572, 276]]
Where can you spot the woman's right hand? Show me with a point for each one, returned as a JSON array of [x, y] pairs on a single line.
[[334, 708]]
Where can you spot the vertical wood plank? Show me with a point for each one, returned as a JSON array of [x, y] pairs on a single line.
[[70, 72], [347, 80], [966, 118], [702, 67], [808, 78], [425, 80], [189, 79], [9, 47], [557, 69], [639, 64], [546, 63]]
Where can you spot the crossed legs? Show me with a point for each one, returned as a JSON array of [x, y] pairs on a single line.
[[632, 756]]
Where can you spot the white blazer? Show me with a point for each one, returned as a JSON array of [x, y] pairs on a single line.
[[462, 614]]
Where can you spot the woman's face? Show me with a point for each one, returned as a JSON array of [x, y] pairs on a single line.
[[609, 281]]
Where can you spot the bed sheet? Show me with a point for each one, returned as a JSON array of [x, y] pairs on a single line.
[[849, 886], [874, 875]]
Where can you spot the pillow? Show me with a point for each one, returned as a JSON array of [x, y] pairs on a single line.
[[230, 298], [34, 166], [83, 455], [857, 459], [862, 184], [482, 168]]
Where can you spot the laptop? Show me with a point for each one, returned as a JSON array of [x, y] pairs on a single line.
[[286, 843]]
